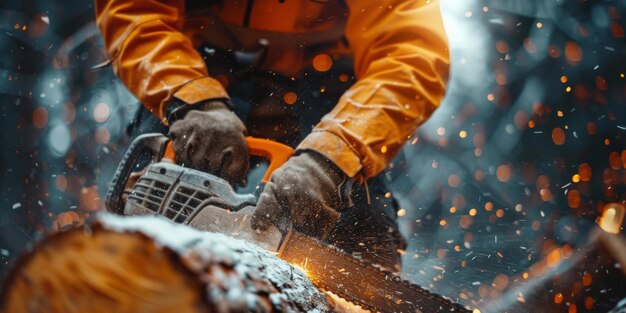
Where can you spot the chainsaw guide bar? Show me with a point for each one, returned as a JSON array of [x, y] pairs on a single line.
[[360, 282]]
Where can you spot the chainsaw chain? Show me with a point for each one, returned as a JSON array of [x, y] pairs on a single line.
[[446, 303]]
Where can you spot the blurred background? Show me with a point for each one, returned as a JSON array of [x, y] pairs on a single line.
[[500, 190]]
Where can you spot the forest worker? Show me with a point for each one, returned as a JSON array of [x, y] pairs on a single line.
[[345, 82]]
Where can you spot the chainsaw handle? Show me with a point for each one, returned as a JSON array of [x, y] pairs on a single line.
[[275, 152], [151, 145]]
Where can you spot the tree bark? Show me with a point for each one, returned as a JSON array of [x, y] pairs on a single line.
[[147, 264]]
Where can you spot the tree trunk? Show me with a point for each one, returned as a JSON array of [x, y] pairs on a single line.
[[146, 264]]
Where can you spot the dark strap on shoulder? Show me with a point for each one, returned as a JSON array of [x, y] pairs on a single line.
[[199, 5]]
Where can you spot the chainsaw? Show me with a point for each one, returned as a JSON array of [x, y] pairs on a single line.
[[148, 182]]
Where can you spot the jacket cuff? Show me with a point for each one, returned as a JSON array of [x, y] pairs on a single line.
[[195, 92], [201, 89], [335, 149]]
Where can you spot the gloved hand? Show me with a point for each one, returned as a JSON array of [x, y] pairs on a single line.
[[307, 190], [210, 137]]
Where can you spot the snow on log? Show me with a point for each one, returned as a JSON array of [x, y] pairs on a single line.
[[147, 264]]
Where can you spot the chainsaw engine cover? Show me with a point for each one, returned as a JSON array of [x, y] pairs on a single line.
[[180, 194]]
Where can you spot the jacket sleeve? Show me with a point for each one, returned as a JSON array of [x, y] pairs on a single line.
[[150, 54], [401, 61]]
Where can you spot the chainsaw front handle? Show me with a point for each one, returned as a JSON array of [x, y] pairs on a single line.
[[275, 152], [143, 147]]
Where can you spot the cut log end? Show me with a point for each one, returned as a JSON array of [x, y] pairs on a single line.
[[146, 264], [102, 271]]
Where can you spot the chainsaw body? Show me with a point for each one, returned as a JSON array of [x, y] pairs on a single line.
[[180, 194], [187, 196]]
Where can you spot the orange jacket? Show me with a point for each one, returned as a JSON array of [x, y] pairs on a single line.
[[399, 49]]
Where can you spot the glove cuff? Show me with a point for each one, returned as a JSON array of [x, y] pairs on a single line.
[[343, 182], [178, 108]]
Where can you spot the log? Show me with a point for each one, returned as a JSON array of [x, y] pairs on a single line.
[[148, 264]]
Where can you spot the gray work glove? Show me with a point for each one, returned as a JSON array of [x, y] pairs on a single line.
[[210, 137], [306, 191]]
